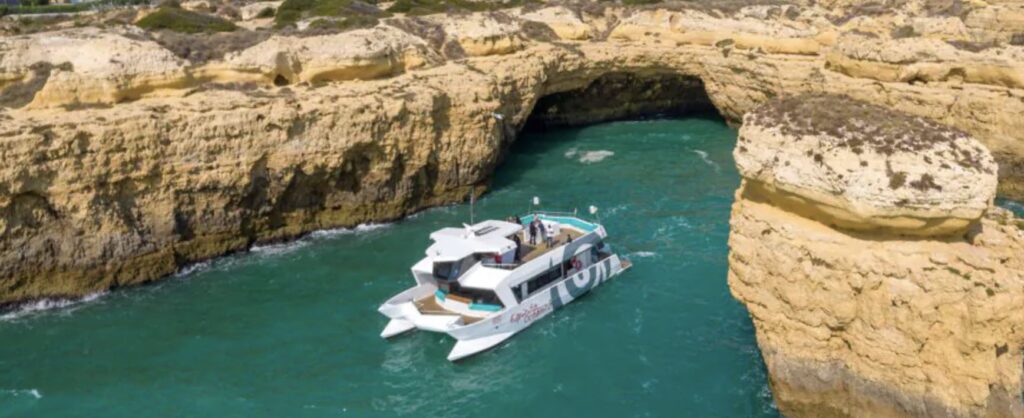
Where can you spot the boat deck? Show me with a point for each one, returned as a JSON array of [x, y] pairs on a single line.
[[531, 252], [427, 305]]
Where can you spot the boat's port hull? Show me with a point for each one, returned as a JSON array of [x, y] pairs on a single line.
[[489, 332]]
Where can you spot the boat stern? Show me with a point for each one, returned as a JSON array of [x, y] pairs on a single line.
[[406, 316]]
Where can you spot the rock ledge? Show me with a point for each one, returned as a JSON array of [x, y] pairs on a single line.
[[861, 166]]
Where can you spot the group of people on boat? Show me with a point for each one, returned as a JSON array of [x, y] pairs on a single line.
[[536, 231]]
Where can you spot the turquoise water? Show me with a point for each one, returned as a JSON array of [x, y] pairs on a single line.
[[1014, 206], [292, 330]]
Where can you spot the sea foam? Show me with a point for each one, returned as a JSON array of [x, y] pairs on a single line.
[[704, 156], [590, 157], [287, 247], [44, 305], [23, 392]]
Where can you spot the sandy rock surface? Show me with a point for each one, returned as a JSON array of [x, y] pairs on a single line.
[[866, 167], [363, 54], [741, 57], [857, 314]]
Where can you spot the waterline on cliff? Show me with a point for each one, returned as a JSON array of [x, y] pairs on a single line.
[[280, 248], [312, 237], [68, 305]]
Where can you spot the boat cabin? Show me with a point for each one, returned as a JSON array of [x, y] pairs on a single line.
[[483, 268]]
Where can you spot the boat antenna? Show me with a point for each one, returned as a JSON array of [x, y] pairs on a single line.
[[472, 204]]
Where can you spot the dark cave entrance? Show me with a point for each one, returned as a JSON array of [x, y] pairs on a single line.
[[621, 96]]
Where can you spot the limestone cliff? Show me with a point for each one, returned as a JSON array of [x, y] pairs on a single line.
[[125, 161], [880, 280]]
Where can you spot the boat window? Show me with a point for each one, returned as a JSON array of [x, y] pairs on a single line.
[[519, 292], [544, 279], [451, 270], [477, 296], [446, 270]]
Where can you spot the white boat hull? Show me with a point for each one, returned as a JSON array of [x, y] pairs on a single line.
[[498, 327]]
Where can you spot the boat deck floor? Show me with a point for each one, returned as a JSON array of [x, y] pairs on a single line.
[[427, 305], [531, 252]]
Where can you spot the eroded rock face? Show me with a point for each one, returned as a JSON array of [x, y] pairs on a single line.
[[854, 317], [88, 66], [120, 173], [622, 95]]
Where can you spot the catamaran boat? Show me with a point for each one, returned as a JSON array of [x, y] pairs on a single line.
[[473, 286]]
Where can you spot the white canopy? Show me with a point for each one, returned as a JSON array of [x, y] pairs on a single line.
[[453, 244]]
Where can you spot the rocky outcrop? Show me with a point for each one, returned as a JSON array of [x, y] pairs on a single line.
[[864, 167], [880, 280], [126, 162], [87, 66]]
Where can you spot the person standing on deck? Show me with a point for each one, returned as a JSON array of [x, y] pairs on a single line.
[[533, 230], [542, 231], [519, 245]]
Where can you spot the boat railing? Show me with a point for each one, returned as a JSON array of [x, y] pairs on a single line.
[[568, 218], [573, 214]]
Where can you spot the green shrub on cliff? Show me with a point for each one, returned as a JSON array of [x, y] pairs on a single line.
[[26, 9], [639, 2], [426, 7], [355, 22], [354, 11], [266, 13], [184, 21]]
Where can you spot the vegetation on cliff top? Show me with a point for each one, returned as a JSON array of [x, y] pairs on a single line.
[[45, 7], [426, 7], [859, 126], [346, 13], [184, 21]]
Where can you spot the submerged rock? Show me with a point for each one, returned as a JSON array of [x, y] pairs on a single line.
[[857, 314]]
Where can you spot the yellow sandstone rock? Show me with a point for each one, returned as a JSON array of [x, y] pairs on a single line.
[[139, 103], [854, 320]]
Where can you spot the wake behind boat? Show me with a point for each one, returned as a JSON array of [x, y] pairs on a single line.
[[473, 286]]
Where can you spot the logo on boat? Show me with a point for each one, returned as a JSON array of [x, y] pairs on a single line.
[[592, 276], [531, 313]]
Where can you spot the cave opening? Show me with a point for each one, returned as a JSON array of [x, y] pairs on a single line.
[[624, 96]]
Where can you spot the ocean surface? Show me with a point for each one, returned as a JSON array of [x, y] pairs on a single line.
[[291, 330]]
